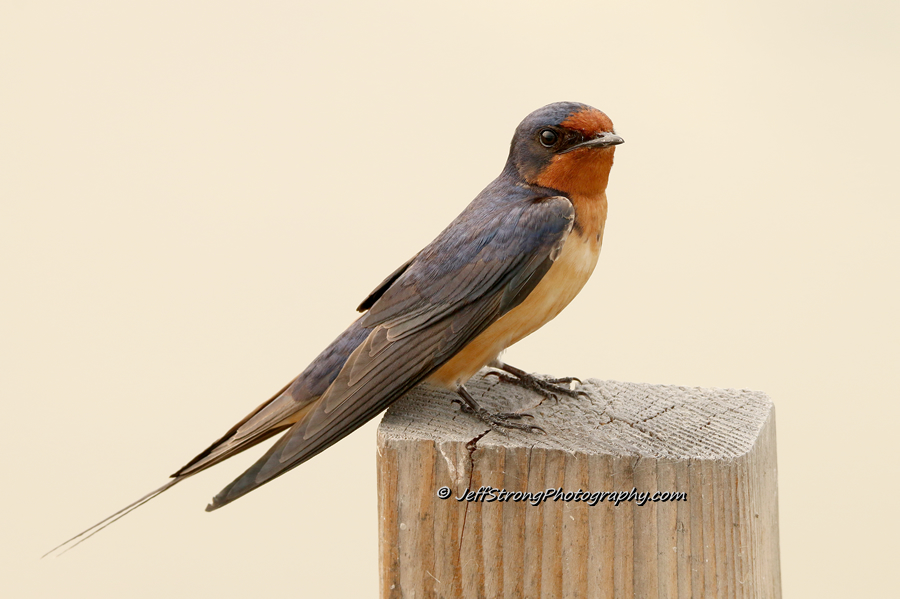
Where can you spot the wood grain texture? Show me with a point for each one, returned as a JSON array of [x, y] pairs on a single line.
[[715, 445]]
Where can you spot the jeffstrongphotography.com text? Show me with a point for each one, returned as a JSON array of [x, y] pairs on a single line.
[[488, 494]]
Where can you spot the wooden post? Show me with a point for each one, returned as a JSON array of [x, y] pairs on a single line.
[[717, 446]]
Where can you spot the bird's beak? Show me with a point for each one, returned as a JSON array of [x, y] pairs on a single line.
[[601, 140]]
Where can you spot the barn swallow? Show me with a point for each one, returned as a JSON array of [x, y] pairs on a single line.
[[508, 264]]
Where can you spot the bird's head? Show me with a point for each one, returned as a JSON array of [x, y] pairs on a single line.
[[565, 146]]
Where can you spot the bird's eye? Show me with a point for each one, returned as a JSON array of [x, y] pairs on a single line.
[[549, 137]]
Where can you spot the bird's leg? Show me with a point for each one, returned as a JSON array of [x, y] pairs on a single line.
[[548, 388], [502, 419]]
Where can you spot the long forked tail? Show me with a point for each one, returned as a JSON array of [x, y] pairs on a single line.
[[272, 417], [87, 534]]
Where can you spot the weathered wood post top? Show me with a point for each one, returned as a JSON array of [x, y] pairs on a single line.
[[635, 490]]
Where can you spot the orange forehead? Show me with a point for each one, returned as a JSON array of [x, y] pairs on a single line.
[[589, 121]]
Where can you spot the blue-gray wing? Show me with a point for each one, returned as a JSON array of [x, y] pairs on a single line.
[[484, 264]]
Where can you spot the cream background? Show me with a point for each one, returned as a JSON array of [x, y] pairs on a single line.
[[195, 196]]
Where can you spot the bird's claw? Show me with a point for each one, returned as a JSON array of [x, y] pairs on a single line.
[[507, 420], [566, 380], [549, 388], [500, 419]]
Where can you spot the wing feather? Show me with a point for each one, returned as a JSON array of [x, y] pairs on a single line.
[[452, 291]]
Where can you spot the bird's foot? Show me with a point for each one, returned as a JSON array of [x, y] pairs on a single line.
[[468, 405], [549, 388]]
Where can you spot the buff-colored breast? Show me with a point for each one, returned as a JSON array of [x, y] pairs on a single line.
[[557, 288]]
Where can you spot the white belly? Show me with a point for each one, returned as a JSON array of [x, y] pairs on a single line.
[[560, 285]]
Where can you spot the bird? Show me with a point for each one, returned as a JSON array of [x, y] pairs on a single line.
[[507, 265]]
